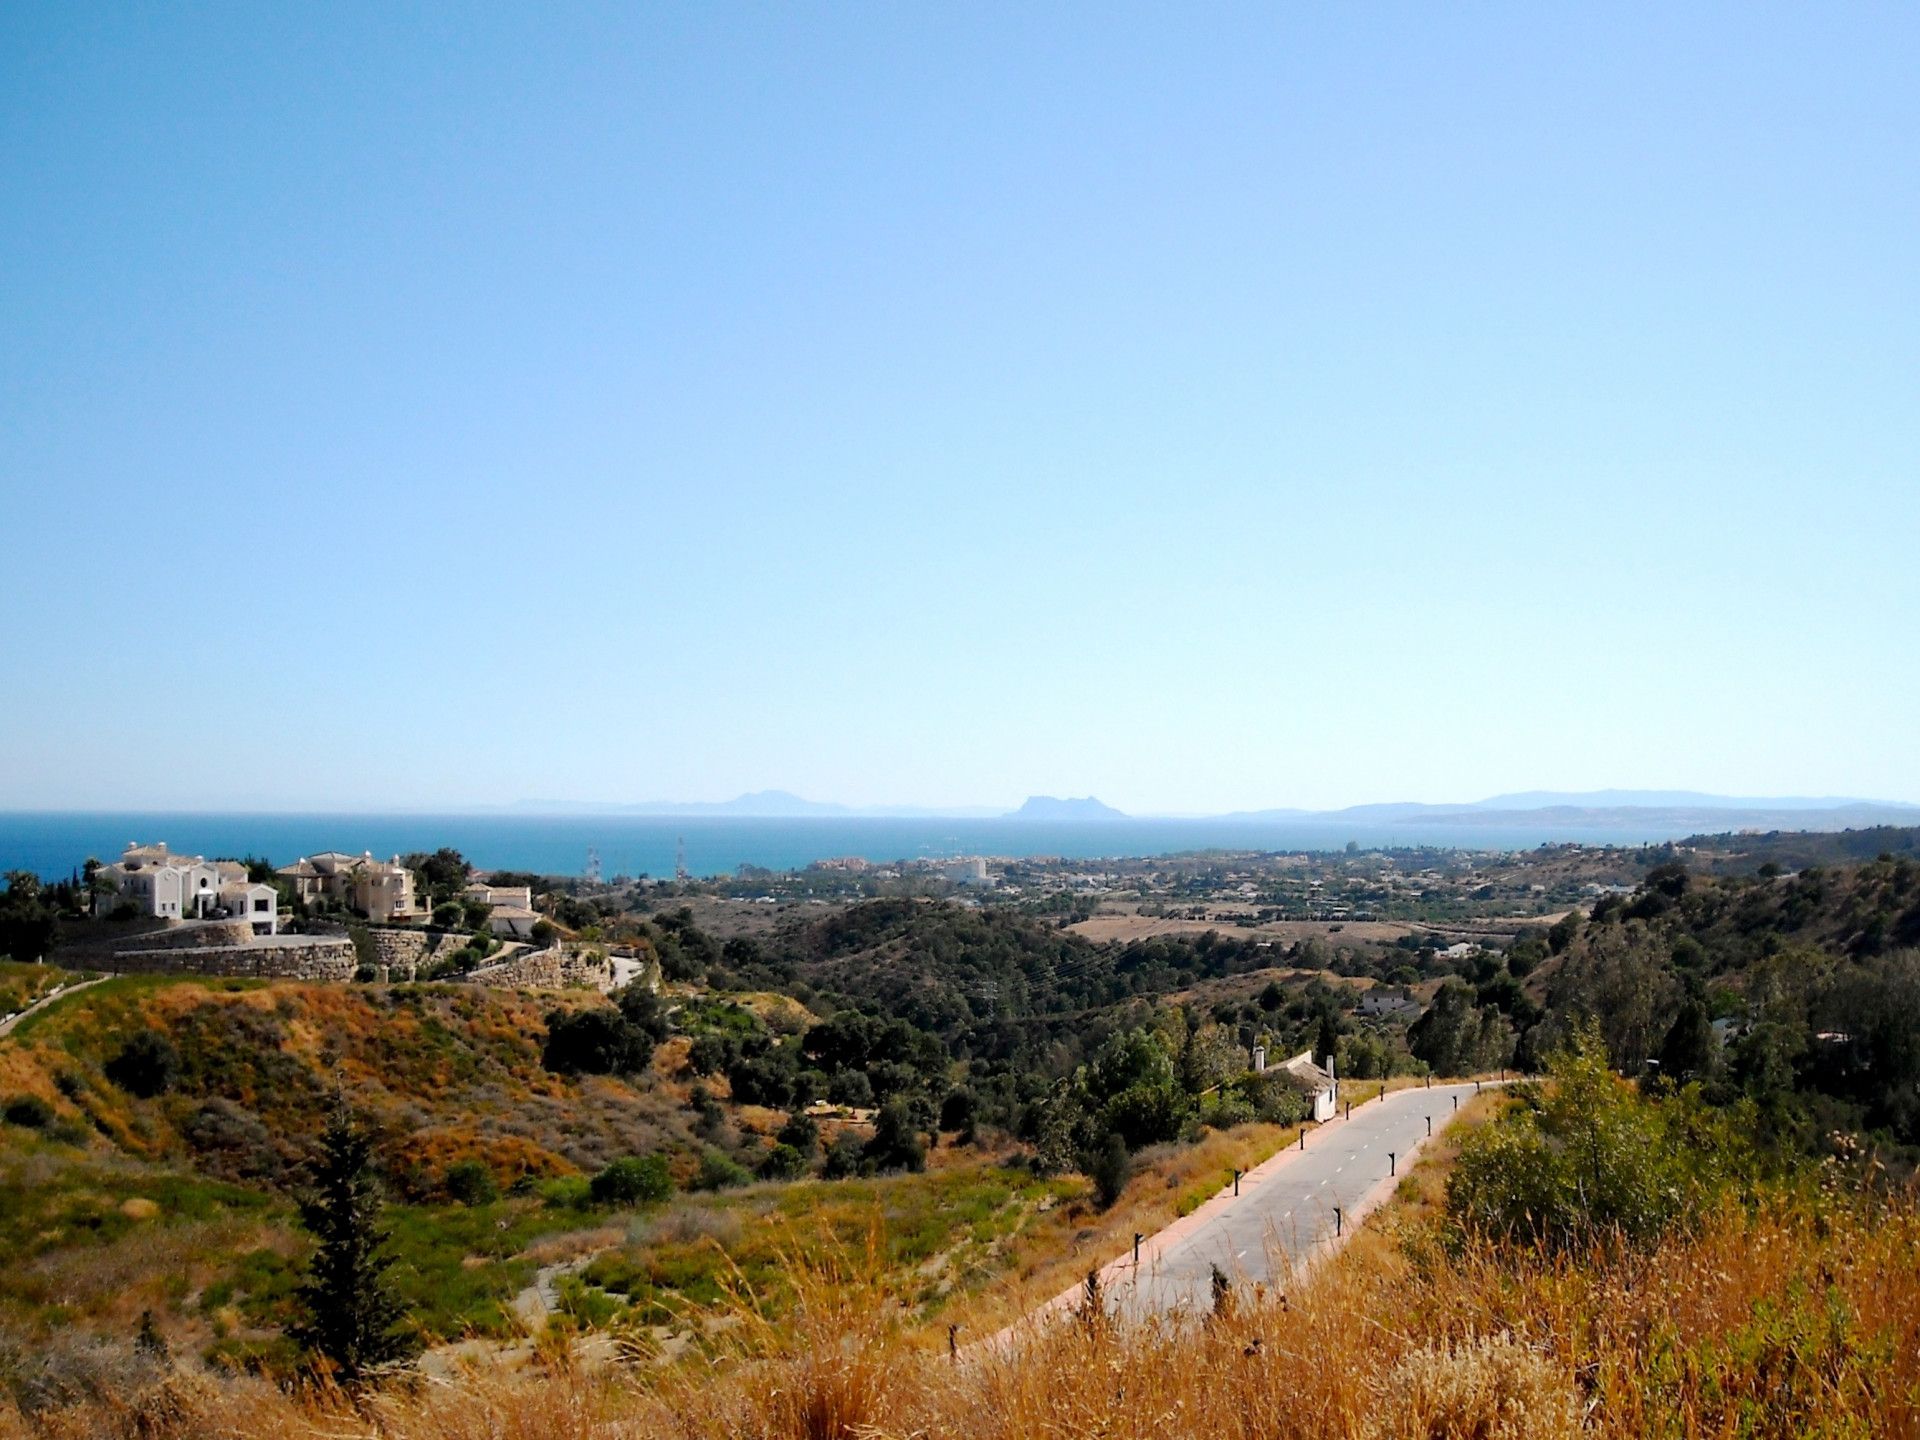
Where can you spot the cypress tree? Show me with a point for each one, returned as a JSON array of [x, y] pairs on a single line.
[[354, 1320]]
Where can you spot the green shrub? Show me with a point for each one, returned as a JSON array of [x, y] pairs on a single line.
[[606, 1040], [1226, 1108], [29, 1112], [635, 1180], [783, 1162], [594, 1042], [720, 1172], [146, 1066], [567, 1192], [1590, 1158], [1146, 1113], [470, 1182], [843, 1157], [802, 1132]]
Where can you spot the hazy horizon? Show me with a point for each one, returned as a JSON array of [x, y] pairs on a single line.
[[1230, 411], [738, 807]]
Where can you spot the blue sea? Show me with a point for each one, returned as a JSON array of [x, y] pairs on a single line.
[[53, 844]]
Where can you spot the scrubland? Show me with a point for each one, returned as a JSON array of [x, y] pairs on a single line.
[[1593, 1261], [1797, 1318]]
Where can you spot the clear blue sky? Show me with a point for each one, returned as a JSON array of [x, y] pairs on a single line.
[[1199, 407]]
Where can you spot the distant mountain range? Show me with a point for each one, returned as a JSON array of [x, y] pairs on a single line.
[[1047, 807], [1682, 811], [763, 805]]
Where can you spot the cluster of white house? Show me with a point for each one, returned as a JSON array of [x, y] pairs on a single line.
[[190, 887]]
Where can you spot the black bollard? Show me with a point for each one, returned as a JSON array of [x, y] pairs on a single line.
[[1137, 1238], [1429, 1125], [1393, 1164], [1236, 1182]]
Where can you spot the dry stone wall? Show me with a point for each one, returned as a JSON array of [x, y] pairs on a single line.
[[281, 957], [557, 968], [97, 942], [399, 954], [196, 935]]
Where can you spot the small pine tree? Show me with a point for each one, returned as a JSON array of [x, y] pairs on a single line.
[[1109, 1167], [353, 1318], [148, 1340]]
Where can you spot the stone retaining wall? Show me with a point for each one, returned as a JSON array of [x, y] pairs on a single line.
[[92, 944], [286, 957], [398, 954], [553, 969], [196, 935]]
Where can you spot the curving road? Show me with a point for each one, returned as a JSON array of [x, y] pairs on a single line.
[[1284, 1213], [1285, 1209]]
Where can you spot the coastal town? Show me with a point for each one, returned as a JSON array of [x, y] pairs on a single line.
[[340, 915]]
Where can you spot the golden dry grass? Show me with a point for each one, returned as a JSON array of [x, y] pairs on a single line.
[[1791, 1322]]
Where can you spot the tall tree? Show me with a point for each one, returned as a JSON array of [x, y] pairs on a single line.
[[1326, 1042], [354, 1320], [28, 924], [1688, 1051]]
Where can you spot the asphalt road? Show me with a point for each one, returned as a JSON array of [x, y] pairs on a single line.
[[1285, 1208]]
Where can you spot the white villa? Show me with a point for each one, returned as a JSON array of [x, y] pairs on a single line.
[[190, 887], [379, 889], [512, 913]]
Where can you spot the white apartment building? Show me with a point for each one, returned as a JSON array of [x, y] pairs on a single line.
[[969, 870]]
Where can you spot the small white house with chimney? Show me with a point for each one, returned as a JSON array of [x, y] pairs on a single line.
[[1319, 1085]]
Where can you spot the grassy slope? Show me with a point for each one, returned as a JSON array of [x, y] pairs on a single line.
[[975, 1241], [21, 985], [1797, 1319], [178, 1203]]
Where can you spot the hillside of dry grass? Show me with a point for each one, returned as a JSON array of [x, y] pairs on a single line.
[[178, 1203], [1794, 1317], [440, 1072]]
